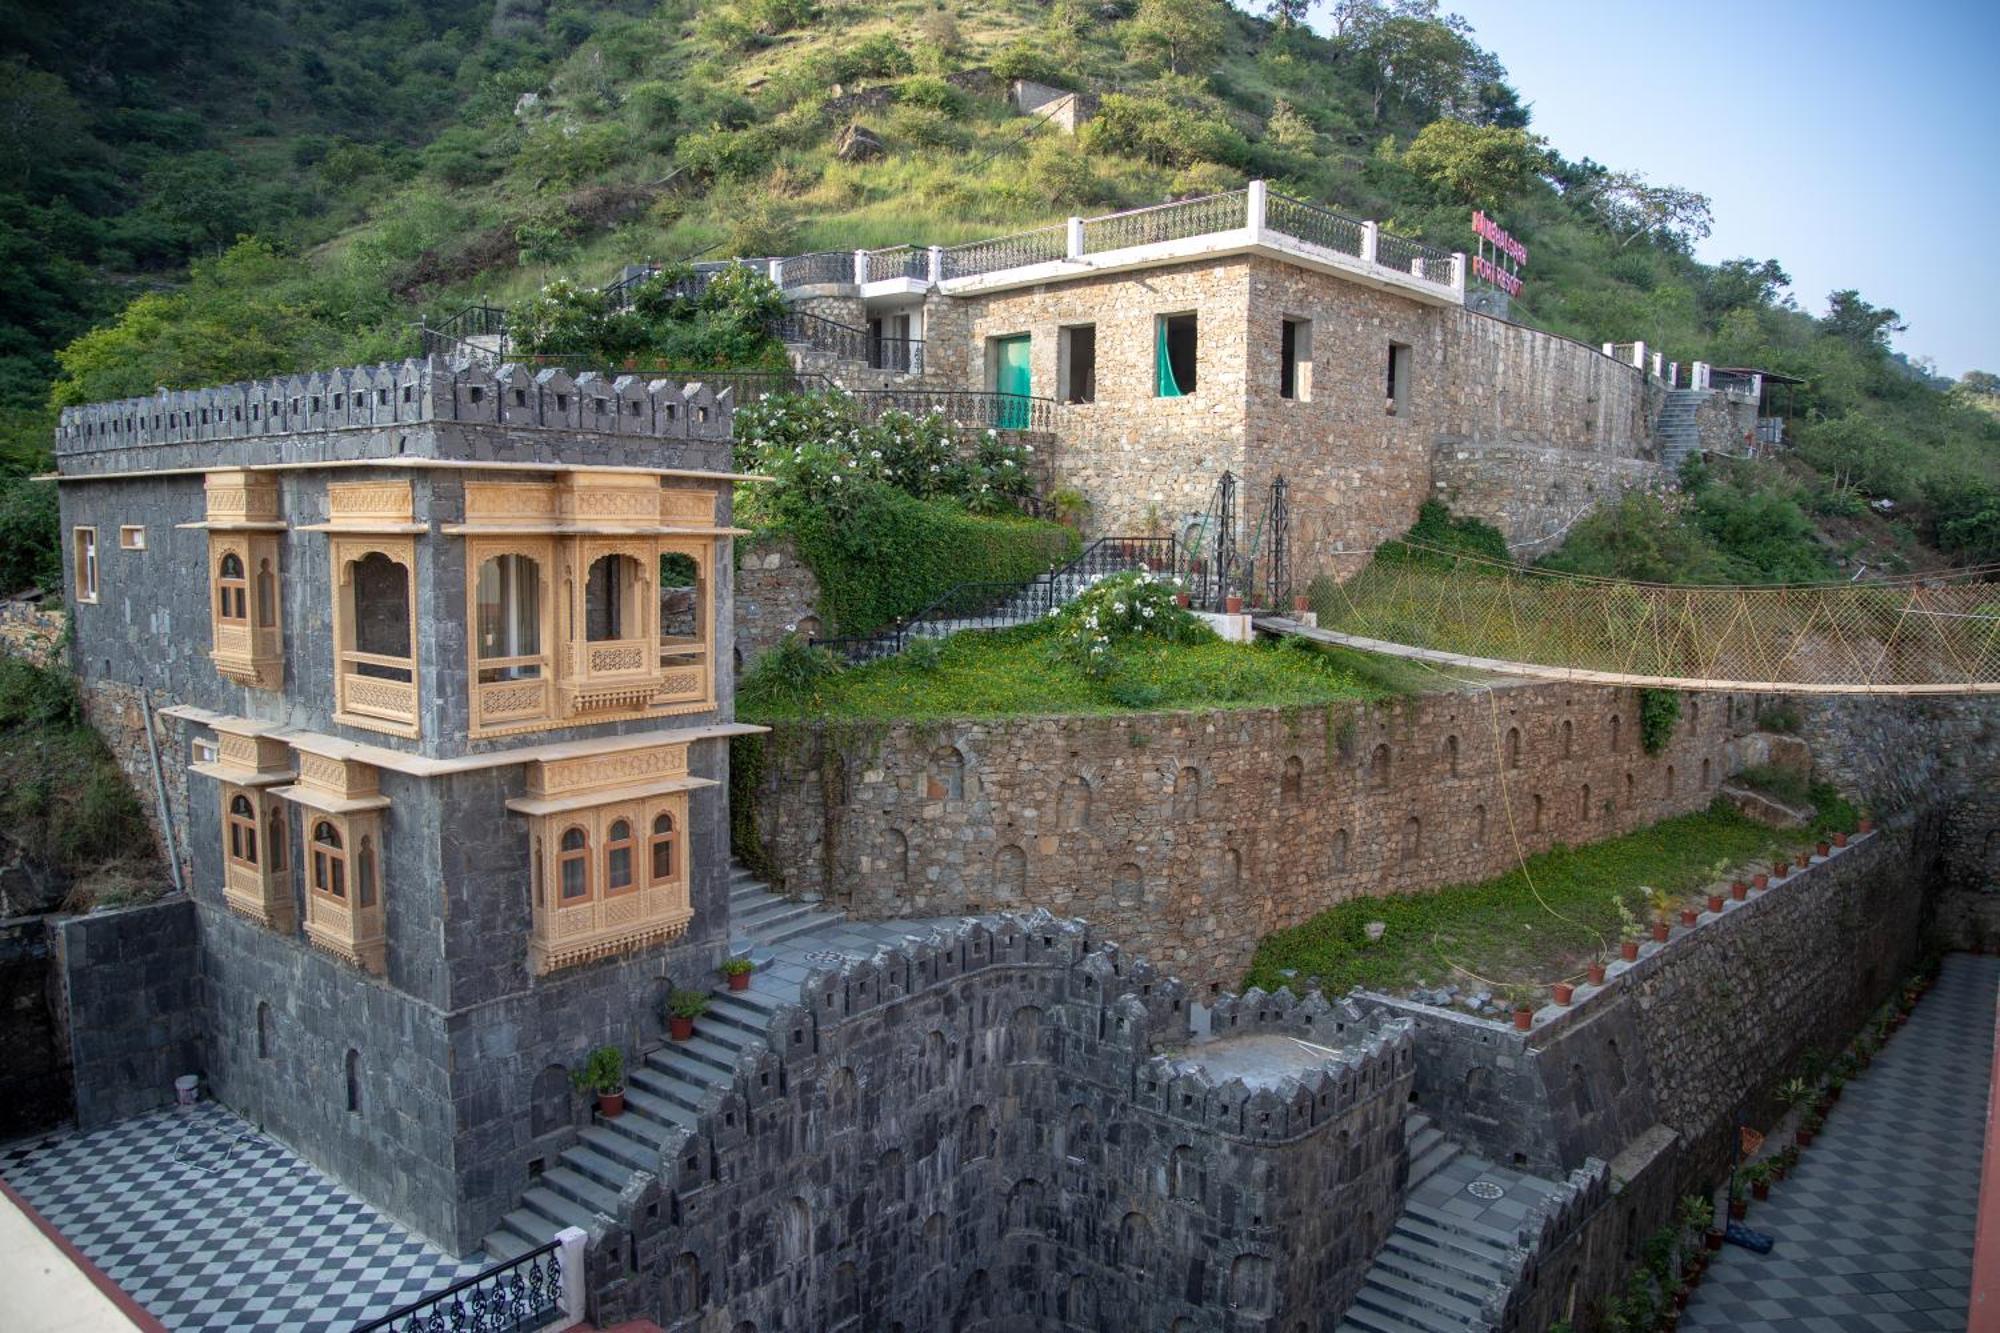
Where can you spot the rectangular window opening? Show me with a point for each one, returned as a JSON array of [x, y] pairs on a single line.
[[1077, 351], [1398, 386], [1295, 351], [86, 564], [1176, 356], [132, 537]]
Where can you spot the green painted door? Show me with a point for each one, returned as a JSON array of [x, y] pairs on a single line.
[[1010, 380]]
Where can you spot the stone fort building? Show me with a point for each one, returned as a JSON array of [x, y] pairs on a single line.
[[423, 667]]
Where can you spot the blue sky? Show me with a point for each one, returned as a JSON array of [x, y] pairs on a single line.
[[1857, 144]]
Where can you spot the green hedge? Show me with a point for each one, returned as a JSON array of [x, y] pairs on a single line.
[[894, 554]]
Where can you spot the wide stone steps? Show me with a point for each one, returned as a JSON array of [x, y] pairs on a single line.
[[1436, 1271], [1675, 428]]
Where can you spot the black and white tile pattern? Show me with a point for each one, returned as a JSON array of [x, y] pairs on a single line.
[[1874, 1229], [209, 1224]]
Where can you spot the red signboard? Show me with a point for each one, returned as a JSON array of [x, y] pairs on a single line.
[[1487, 228], [1506, 277]]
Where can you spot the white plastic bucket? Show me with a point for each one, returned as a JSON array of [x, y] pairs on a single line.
[[187, 1088]]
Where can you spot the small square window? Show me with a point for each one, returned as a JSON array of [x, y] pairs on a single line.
[[205, 751], [132, 538]]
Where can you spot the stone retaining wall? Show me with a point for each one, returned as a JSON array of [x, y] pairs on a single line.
[[1534, 495], [33, 631], [132, 987], [776, 595], [1192, 835], [34, 1056]]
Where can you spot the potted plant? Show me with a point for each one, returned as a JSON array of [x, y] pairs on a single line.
[[1839, 839], [1761, 881], [1780, 868], [603, 1073], [683, 1007], [1788, 1157], [1711, 1240], [1629, 930], [1714, 901], [1663, 905], [738, 971], [1522, 1000], [1795, 1092], [1597, 973], [1809, 1128], [1760, 1179], [1301, 604], [1232, 604], [1563, 991], [1739, 890], [1739, 1203], [1823, 849], [1689, 916], [1834, 1084], [1864, 825]]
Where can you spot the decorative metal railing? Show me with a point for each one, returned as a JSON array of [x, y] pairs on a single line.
[[963, 408], [1039, 246], [849, 343], [822, 268], [1176, 221], [522, 1295], [1414, 258], [899, 261], [1002, 605], [1314, 225], [475, 321]]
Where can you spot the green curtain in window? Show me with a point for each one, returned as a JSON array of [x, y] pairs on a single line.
[[1169, 386]]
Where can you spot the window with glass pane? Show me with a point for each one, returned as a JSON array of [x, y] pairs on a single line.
[[509, 629], [381, 590]]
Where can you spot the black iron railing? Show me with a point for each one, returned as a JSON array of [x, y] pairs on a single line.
[[822, 268], [1003, 252], [1312, 224], [984, 605], [849, 343], [899, 261], [518, 1296], [448, 336], [1167, 222], [964, 408], [1414, 258]]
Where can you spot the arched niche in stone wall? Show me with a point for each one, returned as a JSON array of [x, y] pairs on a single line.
[[1073, 804]]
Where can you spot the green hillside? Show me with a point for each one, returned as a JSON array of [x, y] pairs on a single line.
[[384, 160]]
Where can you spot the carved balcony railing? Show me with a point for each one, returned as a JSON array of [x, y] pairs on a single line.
[[822, 268], [899, 261], [1414, 258], [1040, 246], [522, 1295], [1176, 221], [1314, 225]]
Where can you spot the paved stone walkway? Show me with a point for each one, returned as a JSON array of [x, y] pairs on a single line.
[[1874, 1229]]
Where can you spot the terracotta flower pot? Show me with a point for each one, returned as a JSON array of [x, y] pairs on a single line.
[[1779, 869], [1564, 992], [1689, 916], [611, 1105], [739, 981], [1301, 604], [1597, 974], [1804, 1138], [1715, 902], [1182, 599], [1840, 839], [1660, 929], [680, 1029], [1864, 826], [1761, 880], [1232, 605], [1629, 950], [1760, 1189], [1711, 1240], [1824, 851], [1739, 1209], [1739, 890], [1524, 1019]]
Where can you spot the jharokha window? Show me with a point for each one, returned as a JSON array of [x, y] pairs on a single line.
[[374, 614], [605, 833], [591, 599], [342, 858], [244, 532], [248, 766]]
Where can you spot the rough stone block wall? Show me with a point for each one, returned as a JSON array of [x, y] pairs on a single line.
[[1192, 835], [132, 988], [34, 1056], [776, 594], [1006, 1127], [1534, 495], [1505, 383], [1726, 423], [32, 631]]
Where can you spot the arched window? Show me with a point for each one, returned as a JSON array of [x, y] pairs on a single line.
[[267, 596], [1378, 768], [275, 839], [1010, 872], [232, 591], [1183, 1174], [381, 623], [618, 876], [1339, 852], [946, 779], [683, 605], [329, 861], [1187, 793], [1478, 826], [1513, 747], [660, 848], [573, 866], [263, 1029], [1412, 845], [895, 857], [364, 873], [508, 618], [1670, 779], [1451, 753], [978, 1134], [1073, 804], [242, 830], [610, 599], [1706, 780], [1616, 726], [1583, 806]]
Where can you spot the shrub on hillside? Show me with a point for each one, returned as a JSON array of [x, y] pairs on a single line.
[[928, 90], [1163, 132], [1115, 610], [1438, 534]]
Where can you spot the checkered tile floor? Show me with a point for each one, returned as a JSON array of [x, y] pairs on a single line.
[[209, 1224], [1874, 1229]]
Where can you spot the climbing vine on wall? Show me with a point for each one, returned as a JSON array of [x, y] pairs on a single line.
[[1659, 710]]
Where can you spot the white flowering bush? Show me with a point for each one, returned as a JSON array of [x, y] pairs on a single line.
[[1117, 609]]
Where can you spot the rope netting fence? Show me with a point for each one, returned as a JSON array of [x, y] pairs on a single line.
[[1921, 634]]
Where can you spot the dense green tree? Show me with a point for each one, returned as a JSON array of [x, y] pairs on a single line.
[[1179, 34], [1482, 166]]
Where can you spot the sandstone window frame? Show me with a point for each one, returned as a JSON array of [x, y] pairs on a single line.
[[510, 688], [245, 605], [132, 537], [1295, 358], [252, 833], [83, 547], [606, 918], [345, 883], [374, 690]]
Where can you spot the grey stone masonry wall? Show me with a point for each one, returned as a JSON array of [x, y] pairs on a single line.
[[1193, 835], [1534, 495], [406, 410], [132, 986], [776, 594], [1010, 1126]]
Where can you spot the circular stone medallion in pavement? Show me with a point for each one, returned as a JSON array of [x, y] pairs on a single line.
[[826, 956], [1485, 1189]]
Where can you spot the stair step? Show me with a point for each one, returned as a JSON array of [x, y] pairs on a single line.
[[559, 1212], [504, 1244], [581, 1190], [1458, 1226], [689, 1088], [1373, 1319], [1432, 1160], [1463, 1250], [616, 1147], [1403, 1251], [599, 1166], [1429, 1271], [664, 1114], [1400, 1293], [529, 1230], [810, 922]]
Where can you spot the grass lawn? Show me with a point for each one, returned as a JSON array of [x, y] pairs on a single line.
[[1501, 933], [1016, 672]]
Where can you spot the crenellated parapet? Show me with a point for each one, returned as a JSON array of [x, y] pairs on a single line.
[[393, 410]]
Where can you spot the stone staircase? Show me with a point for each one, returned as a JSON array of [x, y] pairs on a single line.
[[668, 1090], [1675, 429], [1440, 1266]]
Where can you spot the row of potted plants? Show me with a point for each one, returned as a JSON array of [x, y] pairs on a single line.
[[1662, 906], [602, 1073]]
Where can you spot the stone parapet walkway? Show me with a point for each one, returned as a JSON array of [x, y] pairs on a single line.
[[1874, 1228]]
